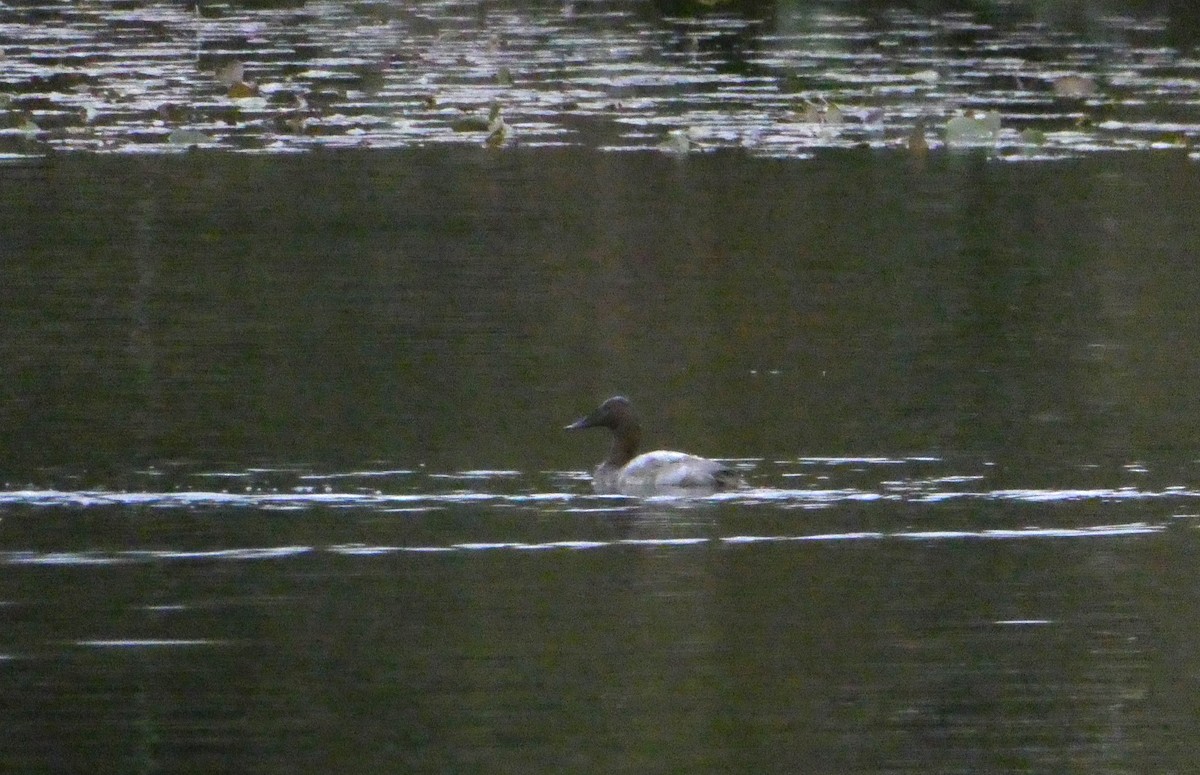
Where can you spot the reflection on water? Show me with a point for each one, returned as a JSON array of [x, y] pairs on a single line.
[[676, 642], [903, 613], [147, 77], [489, 622]]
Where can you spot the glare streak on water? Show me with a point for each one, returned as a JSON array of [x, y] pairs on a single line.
[[144, 555], [364, 550], [916, 491], [1045, 496], [136, 643]]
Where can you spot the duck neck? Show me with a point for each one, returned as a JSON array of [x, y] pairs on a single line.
[[626, 437]]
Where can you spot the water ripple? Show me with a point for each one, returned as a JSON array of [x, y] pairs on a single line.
[[675, 542], [305, 498], [143, 643], [143, 77]]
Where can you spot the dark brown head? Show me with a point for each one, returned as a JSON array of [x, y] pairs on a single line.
[[614, 413], [618, 416]]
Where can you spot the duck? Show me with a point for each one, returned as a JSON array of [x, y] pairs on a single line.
[[626, 472]]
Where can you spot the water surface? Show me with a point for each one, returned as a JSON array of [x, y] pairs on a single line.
[[283, 485], [773, 79]]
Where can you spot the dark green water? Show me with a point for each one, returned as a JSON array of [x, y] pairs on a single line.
[[285, 486], [453, 308], [283, 480]]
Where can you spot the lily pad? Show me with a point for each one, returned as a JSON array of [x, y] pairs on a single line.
[[1033, 137], [188, 137], [1074, 86], [471, 124], [242, 90], [230, 73], [973, 130]]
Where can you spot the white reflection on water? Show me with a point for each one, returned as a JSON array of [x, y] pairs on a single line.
[[363, 550], [141, 643], [303, 497], [399, 510], [299, 498], [143, 78], [149, 555]]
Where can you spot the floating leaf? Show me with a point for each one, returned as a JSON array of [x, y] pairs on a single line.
[[1074, 86], [498, 131], [188, 137], [372, 78], [822, 113], [678, 141], [476, 124], [873, 117], [172, 111], [917, 144], [230, 73], [812, 113], [296, 123], [978, 129], [28, 126], [242, 90], [471, 124], [1033, 137], [498, 135]]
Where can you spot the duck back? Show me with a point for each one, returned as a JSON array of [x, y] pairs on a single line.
[[667, 469], [624, 471]]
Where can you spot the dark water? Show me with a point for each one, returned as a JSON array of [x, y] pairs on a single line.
[[285, 487]]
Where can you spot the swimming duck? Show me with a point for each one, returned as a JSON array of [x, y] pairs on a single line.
[[625, 471]]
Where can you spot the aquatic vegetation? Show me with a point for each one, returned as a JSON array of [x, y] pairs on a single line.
[[678, 141], [977, 129], [471, 124], [188, 137], [1033, 137], [230, 73], [915, 142], [242, 90], [781, 86], [493, 122], [27, 127], [1074, 86], [499, 132]]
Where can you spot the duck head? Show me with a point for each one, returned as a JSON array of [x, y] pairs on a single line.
[[616, 412], [618, 416]]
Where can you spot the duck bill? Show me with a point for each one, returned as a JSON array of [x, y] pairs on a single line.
[[578, 425]]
